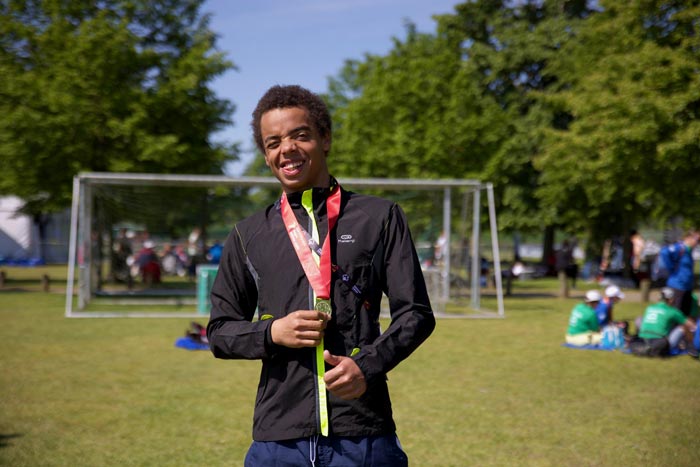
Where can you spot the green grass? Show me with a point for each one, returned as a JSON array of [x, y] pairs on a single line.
[[116, 392]]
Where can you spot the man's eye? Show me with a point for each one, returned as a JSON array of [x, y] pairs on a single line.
[[272, 145], [302, 135]]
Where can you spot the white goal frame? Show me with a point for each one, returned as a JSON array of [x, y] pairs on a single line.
[[81, 219]]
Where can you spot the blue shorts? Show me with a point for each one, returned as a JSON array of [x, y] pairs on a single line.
[[333, 451]]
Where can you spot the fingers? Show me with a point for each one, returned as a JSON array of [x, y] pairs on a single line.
[[303, 328], [310, 315], [331, 359], [345, 380]]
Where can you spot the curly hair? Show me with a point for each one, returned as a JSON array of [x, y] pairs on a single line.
[[280, 97]]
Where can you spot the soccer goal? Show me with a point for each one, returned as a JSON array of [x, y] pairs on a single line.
[[147, 245]]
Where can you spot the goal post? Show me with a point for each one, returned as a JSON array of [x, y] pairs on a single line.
[[105, 205]]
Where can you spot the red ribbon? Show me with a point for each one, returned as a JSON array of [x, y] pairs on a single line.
[[319, 275]]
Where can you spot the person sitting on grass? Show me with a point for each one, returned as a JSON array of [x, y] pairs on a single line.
[[604, 310], [662, 328], [584, 328]]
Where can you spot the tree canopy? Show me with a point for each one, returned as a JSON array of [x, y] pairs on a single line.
[[114, 85], [583, 114], [632, 147]]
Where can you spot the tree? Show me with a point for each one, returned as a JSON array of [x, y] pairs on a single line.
[[630, 151], [114, 85], [461, 103], [508, 46], [411, 113]]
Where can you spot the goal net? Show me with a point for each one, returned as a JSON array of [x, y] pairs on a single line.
[[147, 245]]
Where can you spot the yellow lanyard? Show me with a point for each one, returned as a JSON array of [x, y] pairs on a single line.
[[307, 203]]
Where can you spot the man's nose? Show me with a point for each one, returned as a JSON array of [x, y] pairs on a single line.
[[288, 145]]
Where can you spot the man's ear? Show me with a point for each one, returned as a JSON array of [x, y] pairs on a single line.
[[267, 162], [327, 144]]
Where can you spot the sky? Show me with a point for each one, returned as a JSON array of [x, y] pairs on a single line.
[[301, 42]]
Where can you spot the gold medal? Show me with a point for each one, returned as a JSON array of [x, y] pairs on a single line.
[[323, 305]]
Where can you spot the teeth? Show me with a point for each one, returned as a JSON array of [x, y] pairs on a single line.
[[293, 165]]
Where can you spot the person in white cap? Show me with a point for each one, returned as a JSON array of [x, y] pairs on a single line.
[[604, 310], [584, 328]]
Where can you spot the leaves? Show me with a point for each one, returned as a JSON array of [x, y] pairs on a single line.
[[631, 85], [115, 86], [583, 114]]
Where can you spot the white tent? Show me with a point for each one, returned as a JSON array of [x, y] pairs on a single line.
[[19, 235]]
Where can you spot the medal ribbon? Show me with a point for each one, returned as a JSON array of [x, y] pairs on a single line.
[[342, 275], [318, 274]]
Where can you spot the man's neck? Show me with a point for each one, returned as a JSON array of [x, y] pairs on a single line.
[[320, 185]]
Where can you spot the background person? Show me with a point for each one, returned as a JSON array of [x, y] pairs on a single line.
[[566, 267], [637, 245], [663, 326], [613, 332], [120, 254], [604, 310], [678, 260], [583, 323], [302, 414], [148, 263]]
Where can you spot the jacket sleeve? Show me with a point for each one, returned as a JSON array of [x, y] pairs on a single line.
[[412, 319], [231, 330]]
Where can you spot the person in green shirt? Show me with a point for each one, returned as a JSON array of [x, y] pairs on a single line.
[[583, 322], [663, 326]]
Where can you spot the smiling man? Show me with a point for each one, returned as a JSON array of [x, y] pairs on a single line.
[[315, 265], [294, 150]]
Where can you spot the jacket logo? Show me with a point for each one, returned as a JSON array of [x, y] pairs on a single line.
[[346, 238]]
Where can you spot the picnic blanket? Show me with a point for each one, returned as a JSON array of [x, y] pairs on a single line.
[[189, 343], [673, 353], [587, 347], [195, 338]]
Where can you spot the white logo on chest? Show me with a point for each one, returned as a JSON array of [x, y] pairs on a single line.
[[346, 238]]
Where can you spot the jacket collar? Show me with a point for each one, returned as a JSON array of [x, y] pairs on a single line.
[[319, 193]]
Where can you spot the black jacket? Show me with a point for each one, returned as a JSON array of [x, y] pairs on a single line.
[[259, 268]]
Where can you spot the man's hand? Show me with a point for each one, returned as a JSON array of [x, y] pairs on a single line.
[[346, 380], [302, 328]]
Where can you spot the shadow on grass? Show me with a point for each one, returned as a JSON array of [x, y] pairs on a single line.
[[518, 294], [525, 295], [5, 439]]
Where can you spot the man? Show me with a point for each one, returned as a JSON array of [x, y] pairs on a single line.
[[566, 266], [637, 244], [678, 260], [613, 332], [583, 323], [315, 264], [604, 309], [663, 326]]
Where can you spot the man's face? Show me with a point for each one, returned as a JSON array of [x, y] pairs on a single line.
[[294, 150]]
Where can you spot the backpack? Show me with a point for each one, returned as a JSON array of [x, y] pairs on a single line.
[[612, 337]]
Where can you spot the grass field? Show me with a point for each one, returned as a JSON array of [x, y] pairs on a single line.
[[116, 392]]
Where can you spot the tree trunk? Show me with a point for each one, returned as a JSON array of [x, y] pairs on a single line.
[[41, 220], [548, 249]]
